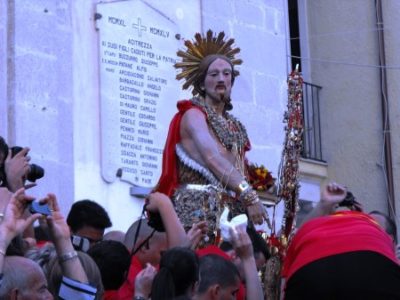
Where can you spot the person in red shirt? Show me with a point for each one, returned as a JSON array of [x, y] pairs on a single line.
[[150, 243], [221, 280], [340, 255]]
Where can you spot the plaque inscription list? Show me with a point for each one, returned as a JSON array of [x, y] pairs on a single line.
[[138, 90]]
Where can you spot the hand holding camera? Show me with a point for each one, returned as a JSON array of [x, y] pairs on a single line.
[[36, 207], [17, 168], [338, 195], [14, 221], [155, 200]]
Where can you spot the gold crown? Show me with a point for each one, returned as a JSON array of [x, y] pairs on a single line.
[[198, 50]]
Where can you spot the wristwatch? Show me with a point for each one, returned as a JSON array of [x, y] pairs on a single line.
[[243, 186]]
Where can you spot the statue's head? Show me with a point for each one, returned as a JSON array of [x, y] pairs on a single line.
[[198, 57], [203, 69]]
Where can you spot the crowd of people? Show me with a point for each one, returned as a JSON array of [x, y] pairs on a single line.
[[343, 254], [176, 250], [73, 258]]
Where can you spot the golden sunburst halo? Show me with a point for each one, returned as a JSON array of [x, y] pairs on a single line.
[[200, 48]]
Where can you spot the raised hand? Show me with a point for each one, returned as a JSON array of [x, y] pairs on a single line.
[[333, 193], [241, 242], [257, 213], [58, 227], [144, 281], [244, 250], [14, 221], [60, 235], [155, 200], [5, 196], [196, 233], [16, 169]]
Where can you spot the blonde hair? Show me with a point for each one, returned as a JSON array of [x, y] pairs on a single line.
[[54, 274]]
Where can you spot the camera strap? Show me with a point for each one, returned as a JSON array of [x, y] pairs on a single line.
[[146, 240]]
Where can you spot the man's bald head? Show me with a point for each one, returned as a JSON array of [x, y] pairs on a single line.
[[144, 232], [149, 242], [115, 235], [24, 277]]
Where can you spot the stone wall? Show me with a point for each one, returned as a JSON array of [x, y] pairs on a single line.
[[259, 94], [38, 95], [343, 45]]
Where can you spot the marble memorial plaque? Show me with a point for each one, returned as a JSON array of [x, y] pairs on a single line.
[[138, 89]]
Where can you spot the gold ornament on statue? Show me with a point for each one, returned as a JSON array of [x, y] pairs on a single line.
[[200, 48], [288, 187], [284, 241]]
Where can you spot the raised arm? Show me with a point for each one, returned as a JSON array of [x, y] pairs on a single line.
[[331, 195], [60, 235], [13, 221], [194, 127], [195, 134], [176, 235], [244, 250]]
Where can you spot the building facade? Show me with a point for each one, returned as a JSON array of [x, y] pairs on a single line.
[[50, 86], [348, 48], [50, 91]]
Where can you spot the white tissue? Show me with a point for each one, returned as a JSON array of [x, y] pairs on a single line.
[[239, 221]]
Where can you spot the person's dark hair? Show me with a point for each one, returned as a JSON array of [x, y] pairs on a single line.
[[215, 269], [17, 247], [226, 246], [87, 213], [178, 273], [259, 244], [113, 260], [183, 297], [41, 234], [3, 156], [390, 224], [3, 149]]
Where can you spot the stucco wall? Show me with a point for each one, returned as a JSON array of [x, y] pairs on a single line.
[[38, 91], [259, 95], [3, 69], [392, 46], [343, 49]]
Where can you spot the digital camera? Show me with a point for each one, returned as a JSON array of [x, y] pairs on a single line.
[[349, 200], [35, 171]]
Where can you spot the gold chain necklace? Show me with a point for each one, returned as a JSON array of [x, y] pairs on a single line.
[[229, 130]]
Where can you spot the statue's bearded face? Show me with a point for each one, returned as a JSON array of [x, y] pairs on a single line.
[[218, 80]]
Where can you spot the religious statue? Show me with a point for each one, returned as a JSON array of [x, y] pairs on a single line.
[[204, 165]]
